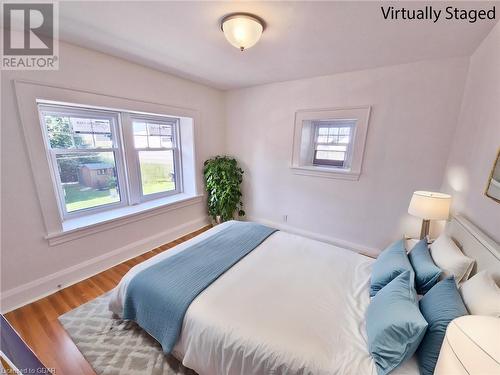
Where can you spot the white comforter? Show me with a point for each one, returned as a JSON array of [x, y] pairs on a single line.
[[292, 306]]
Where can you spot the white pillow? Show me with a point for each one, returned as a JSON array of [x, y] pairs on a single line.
[[481, 294], [450, 259]]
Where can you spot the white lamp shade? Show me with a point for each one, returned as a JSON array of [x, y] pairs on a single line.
[[242, 31], [429, 205]]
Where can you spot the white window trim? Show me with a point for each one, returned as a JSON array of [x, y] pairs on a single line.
[[128, 172], [133, 156], [303, 144], [28, 95], [105, 220]]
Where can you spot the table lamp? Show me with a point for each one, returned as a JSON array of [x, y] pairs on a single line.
[[428, 206]]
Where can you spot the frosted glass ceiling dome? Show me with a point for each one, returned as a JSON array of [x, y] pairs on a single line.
[[242, 30]]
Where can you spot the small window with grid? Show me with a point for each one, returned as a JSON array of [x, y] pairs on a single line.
[[333, 140]]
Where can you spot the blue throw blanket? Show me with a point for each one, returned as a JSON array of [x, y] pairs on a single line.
[[158, 297]]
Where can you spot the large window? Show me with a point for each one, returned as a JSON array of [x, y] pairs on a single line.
[[106, 159]]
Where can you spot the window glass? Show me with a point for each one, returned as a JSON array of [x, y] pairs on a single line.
[[59, 131], [156, 166], [154, 141], [152, 135], [93, 170], [157, 171], [88, 180], [140, 128], [166, 142], [88, 177], [66, 132], [103, 141], [332, 143]]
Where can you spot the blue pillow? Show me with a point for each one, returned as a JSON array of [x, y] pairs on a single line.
[[439, 307], [426, 272], [394, 324], [392, 262]]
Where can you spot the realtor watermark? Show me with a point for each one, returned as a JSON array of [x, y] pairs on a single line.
[[30, 36]]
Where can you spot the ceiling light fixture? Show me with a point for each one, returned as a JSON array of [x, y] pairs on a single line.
[[242, 30]]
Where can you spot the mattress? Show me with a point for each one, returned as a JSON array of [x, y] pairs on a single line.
[[292, 306]]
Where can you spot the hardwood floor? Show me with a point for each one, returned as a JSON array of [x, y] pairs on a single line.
[[38, 325]]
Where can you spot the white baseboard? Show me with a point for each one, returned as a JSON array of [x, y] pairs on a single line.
[[44, 286], [370, 251]]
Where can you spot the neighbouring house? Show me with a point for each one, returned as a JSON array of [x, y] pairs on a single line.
[[96, 175]]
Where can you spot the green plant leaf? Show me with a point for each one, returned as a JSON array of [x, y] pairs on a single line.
[[223, 178]]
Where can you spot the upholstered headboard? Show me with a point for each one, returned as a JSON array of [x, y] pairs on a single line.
[[475, 244]]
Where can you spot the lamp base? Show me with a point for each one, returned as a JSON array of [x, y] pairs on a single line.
[[424, 232]]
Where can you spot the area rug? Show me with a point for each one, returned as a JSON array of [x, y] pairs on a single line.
[[114, 346]]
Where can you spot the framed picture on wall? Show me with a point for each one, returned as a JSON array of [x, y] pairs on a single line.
[[493, 187]]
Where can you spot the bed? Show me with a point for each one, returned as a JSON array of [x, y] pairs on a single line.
[[292, 306]]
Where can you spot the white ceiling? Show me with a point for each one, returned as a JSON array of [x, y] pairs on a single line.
[[302, 39]]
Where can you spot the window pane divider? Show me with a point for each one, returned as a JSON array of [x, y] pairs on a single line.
[[155, 149], [60, 151], [331, 144]]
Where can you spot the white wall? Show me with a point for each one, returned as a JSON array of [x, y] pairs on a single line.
[[415, 110], [477, 139], [414, 113], [29, 266]]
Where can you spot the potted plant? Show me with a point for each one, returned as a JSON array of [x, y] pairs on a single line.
[[223, 178]]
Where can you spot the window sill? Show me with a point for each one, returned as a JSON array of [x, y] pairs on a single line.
[[87, 225], [342, 174]]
